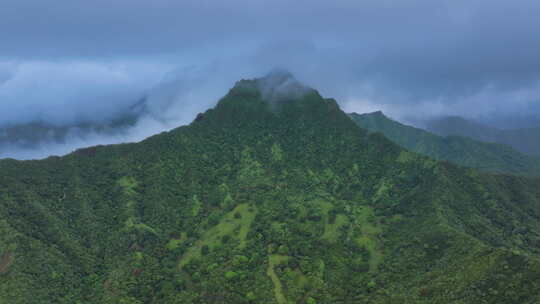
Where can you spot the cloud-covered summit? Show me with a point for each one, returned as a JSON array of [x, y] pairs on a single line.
[[277, 86], [68, 61], [281, 85]]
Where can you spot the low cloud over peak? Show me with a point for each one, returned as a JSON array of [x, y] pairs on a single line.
[[68, 62]]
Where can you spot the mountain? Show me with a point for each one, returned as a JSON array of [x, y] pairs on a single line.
[[457, 149], [33, 134], [525, 140], [273, 196]]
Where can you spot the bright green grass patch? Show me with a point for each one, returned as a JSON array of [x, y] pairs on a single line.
[[175, 243], [331, 231], [299, 279], [370, 230], [276, 259], [325, 205], [128, 183], [406, 157], [138, 256], [236, 227], [383, 190], [273, 261], [196, 205], [130, 211], [131, 223]]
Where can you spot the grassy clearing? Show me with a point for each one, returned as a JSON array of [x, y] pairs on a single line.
[[406, 157], [299, 279], [234, 224], [129, 184], [175, 243], [273, 261], [332, 231], [370, 230]]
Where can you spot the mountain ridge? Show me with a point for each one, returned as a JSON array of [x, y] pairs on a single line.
[[460, 150], [35, 135], [524, 140]]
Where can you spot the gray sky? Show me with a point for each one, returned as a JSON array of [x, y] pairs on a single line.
[[65, 61]]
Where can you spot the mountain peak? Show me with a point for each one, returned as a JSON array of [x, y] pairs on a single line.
[[278, 76], [278, 95], [276, 87], [370, 115]]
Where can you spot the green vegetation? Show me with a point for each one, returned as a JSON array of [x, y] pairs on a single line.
[[231, 226], [273, 261], [460, 150], [252, 203], [370, 231]]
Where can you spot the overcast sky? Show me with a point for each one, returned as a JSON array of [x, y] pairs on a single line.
[[64, 61]]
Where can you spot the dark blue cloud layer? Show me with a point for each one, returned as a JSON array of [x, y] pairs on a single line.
[[64, 61]]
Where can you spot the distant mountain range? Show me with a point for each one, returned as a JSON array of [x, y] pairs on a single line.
[[40, 134], [461, 150], [30, 135], [526, 140]]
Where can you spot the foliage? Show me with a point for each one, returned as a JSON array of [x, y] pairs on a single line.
[[460, 150]]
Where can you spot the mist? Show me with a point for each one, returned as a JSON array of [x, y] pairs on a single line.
[[91, 63]]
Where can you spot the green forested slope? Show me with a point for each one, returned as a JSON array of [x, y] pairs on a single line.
[[464, 151], [265, 200]]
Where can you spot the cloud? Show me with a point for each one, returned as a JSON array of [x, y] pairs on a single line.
[[96, 94], [65, 93], [68, 61], [77, 138]]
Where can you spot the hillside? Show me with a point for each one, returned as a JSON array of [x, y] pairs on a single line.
[[273, 196], [524, 140], [460, 150]]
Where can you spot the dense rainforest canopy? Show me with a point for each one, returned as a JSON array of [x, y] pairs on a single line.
[[273, 196]]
